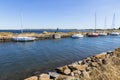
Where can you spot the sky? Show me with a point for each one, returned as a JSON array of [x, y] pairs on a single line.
[[64, 14]]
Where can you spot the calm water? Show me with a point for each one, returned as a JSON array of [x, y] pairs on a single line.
[[20, 60]]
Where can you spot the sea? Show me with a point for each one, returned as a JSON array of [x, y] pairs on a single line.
[[19, 60]]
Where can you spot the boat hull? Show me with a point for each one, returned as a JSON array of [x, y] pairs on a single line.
[[76, 36], [93, 35], [114, 34], [102, 34], [23, 39]]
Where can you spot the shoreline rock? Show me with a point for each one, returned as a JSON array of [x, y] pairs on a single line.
[[104, 66]]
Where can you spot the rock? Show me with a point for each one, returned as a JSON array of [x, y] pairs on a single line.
[[88, 68], [72, 73], [54, 74], [101, 56], [85, 74], [32, 78], [109, 52], [64, 70], [44, 77], [79, 62], [104, 61], [80, 67], [77, 72], [94, 64], [67, 71], [63, 77], [69, 78], [117, 49]]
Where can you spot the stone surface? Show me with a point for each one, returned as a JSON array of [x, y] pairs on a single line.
[[44, 77], [54, 74], [94, 64], [32, 78], [80, 67], [84, 69], [64, 70], [85, 74], [101, 56]]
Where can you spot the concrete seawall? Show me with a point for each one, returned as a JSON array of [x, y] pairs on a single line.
[[104, 66]]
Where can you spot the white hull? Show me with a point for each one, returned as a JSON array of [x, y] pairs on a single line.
[[102, 34], [77, 35], [115, 34], [23, 39]]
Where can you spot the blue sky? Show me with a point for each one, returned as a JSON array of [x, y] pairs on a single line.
[[39, 14]]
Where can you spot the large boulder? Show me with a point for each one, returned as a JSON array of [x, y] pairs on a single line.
[[79, 67], [32, 78], [44, 77], [64, 70], [94, 64], [54, 74], [101, 56], [117, 49]]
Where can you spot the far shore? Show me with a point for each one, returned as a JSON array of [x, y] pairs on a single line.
[[7, 36]]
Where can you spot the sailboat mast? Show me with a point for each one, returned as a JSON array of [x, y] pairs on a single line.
[[105, 23], [95, 21], [21, 23], [113, 22]]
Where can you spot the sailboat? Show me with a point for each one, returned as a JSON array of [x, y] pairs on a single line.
[[23, 38], [93, 34], [103, 33], [76, 36], [113, 25]]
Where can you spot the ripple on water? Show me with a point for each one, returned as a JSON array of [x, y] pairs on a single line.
[[20, 60]]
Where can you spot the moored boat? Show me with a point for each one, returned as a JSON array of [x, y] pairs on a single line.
[[77, 36], [103, 34], [23, 39], [92, 34], [114, 33]]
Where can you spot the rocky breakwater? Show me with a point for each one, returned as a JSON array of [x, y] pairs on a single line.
[[104, 66]]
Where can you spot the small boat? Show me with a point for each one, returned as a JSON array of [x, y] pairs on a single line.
[[103, 34], [23, 39], [92, 35], [77, 36], [114, 33]]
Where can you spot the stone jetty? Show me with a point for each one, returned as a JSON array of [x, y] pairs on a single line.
[[7, 36], [104, 66]]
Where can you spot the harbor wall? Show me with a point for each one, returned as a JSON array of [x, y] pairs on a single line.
[[104, 66]]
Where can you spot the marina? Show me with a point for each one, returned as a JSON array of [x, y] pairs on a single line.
[[59, 40], [21, 60]]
